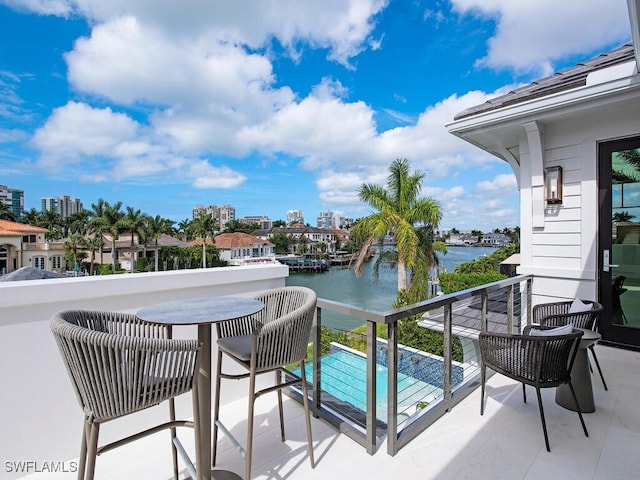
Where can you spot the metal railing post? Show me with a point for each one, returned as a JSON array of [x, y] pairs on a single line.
[[447, 354], [317, 355], [392, 388], [510, 309], [371, 416]]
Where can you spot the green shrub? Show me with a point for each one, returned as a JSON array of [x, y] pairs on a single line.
[[456, 282]]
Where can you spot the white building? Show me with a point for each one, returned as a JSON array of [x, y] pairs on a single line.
[[64, 205], [221, 215], [573, 141], [295, 216]]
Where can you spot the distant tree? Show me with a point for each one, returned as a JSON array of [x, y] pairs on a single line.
[[202, 227], [6, 213], [73, 245], [31, 217], [454, 231], [133, 222], [281, 243], [112, 222], [476, 233], [279, 223], [93, 243], [52, 221], [156, 226], [237, 226], [183, 228]]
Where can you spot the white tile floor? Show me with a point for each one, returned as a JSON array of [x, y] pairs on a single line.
[[505, 443]]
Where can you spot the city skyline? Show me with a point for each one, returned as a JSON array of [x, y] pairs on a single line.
[[169, 106]]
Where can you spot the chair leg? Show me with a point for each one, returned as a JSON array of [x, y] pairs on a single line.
[[595, 358], [252, 400], [305, 401], [82, 462], [575, 399], [197, 432], [483, 378], [92, 450], [174, 450], [524, 393], [216, 410], [280, 409], [544, 424]]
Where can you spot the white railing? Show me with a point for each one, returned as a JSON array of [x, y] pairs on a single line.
[[41, 418]]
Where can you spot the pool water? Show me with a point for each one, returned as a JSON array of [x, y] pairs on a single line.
[[344, 377]]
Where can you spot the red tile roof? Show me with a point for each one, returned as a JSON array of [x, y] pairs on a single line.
[[238, 240], [9, 228]]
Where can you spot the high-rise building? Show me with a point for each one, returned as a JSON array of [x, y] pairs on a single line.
[[64, 205], [14, 198], [263, 222], [326, 220], [295, 216], [221, 215]]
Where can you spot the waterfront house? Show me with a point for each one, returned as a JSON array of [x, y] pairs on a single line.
[[24, 245], [239, 248], [303, 239]]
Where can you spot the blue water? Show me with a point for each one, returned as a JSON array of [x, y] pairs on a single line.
[[419, 379], [340, 284]]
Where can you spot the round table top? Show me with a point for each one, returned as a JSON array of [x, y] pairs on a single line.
[[589, 337], [195, 311]]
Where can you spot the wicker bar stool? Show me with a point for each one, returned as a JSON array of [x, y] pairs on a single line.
[[119, 365], [265, 342]]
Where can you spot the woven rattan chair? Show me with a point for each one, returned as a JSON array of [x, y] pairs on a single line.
[[557, 314], [119, 365], [539, 361], [265, 342]]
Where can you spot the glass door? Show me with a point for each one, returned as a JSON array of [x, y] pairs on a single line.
[[619, 241]]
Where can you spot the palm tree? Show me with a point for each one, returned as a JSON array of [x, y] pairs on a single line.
[[112, 222], [202, 227], [133, 222], [97, 223], [73, 244], [92, 244], [78, 222], [398, 211], [156, 226], [6, 213], [184, 226], [52, 221], [31, 217]]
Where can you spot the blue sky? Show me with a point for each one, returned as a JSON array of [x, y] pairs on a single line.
[[273, 105]]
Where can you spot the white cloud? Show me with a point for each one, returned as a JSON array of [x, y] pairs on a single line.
[[532, 34]]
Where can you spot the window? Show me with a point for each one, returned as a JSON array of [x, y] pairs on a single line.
[[39, 262], [56, 263], [28, 239]]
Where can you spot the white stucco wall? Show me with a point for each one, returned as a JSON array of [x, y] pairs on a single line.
[[40, 416]]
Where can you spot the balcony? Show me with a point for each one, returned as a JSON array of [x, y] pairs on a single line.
[[42, 421]]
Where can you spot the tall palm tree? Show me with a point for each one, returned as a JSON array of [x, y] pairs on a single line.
[[184, 226], [73, 245], [398, 211], [93, 243], [156, 226], [97, 223], [202, 227], [112, 222], [133, 222]]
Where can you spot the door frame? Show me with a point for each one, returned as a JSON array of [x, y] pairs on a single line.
[[614, 334]]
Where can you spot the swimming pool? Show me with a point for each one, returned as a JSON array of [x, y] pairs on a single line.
[[420, 379]]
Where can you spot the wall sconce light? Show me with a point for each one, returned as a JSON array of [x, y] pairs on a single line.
[[553, 185]]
